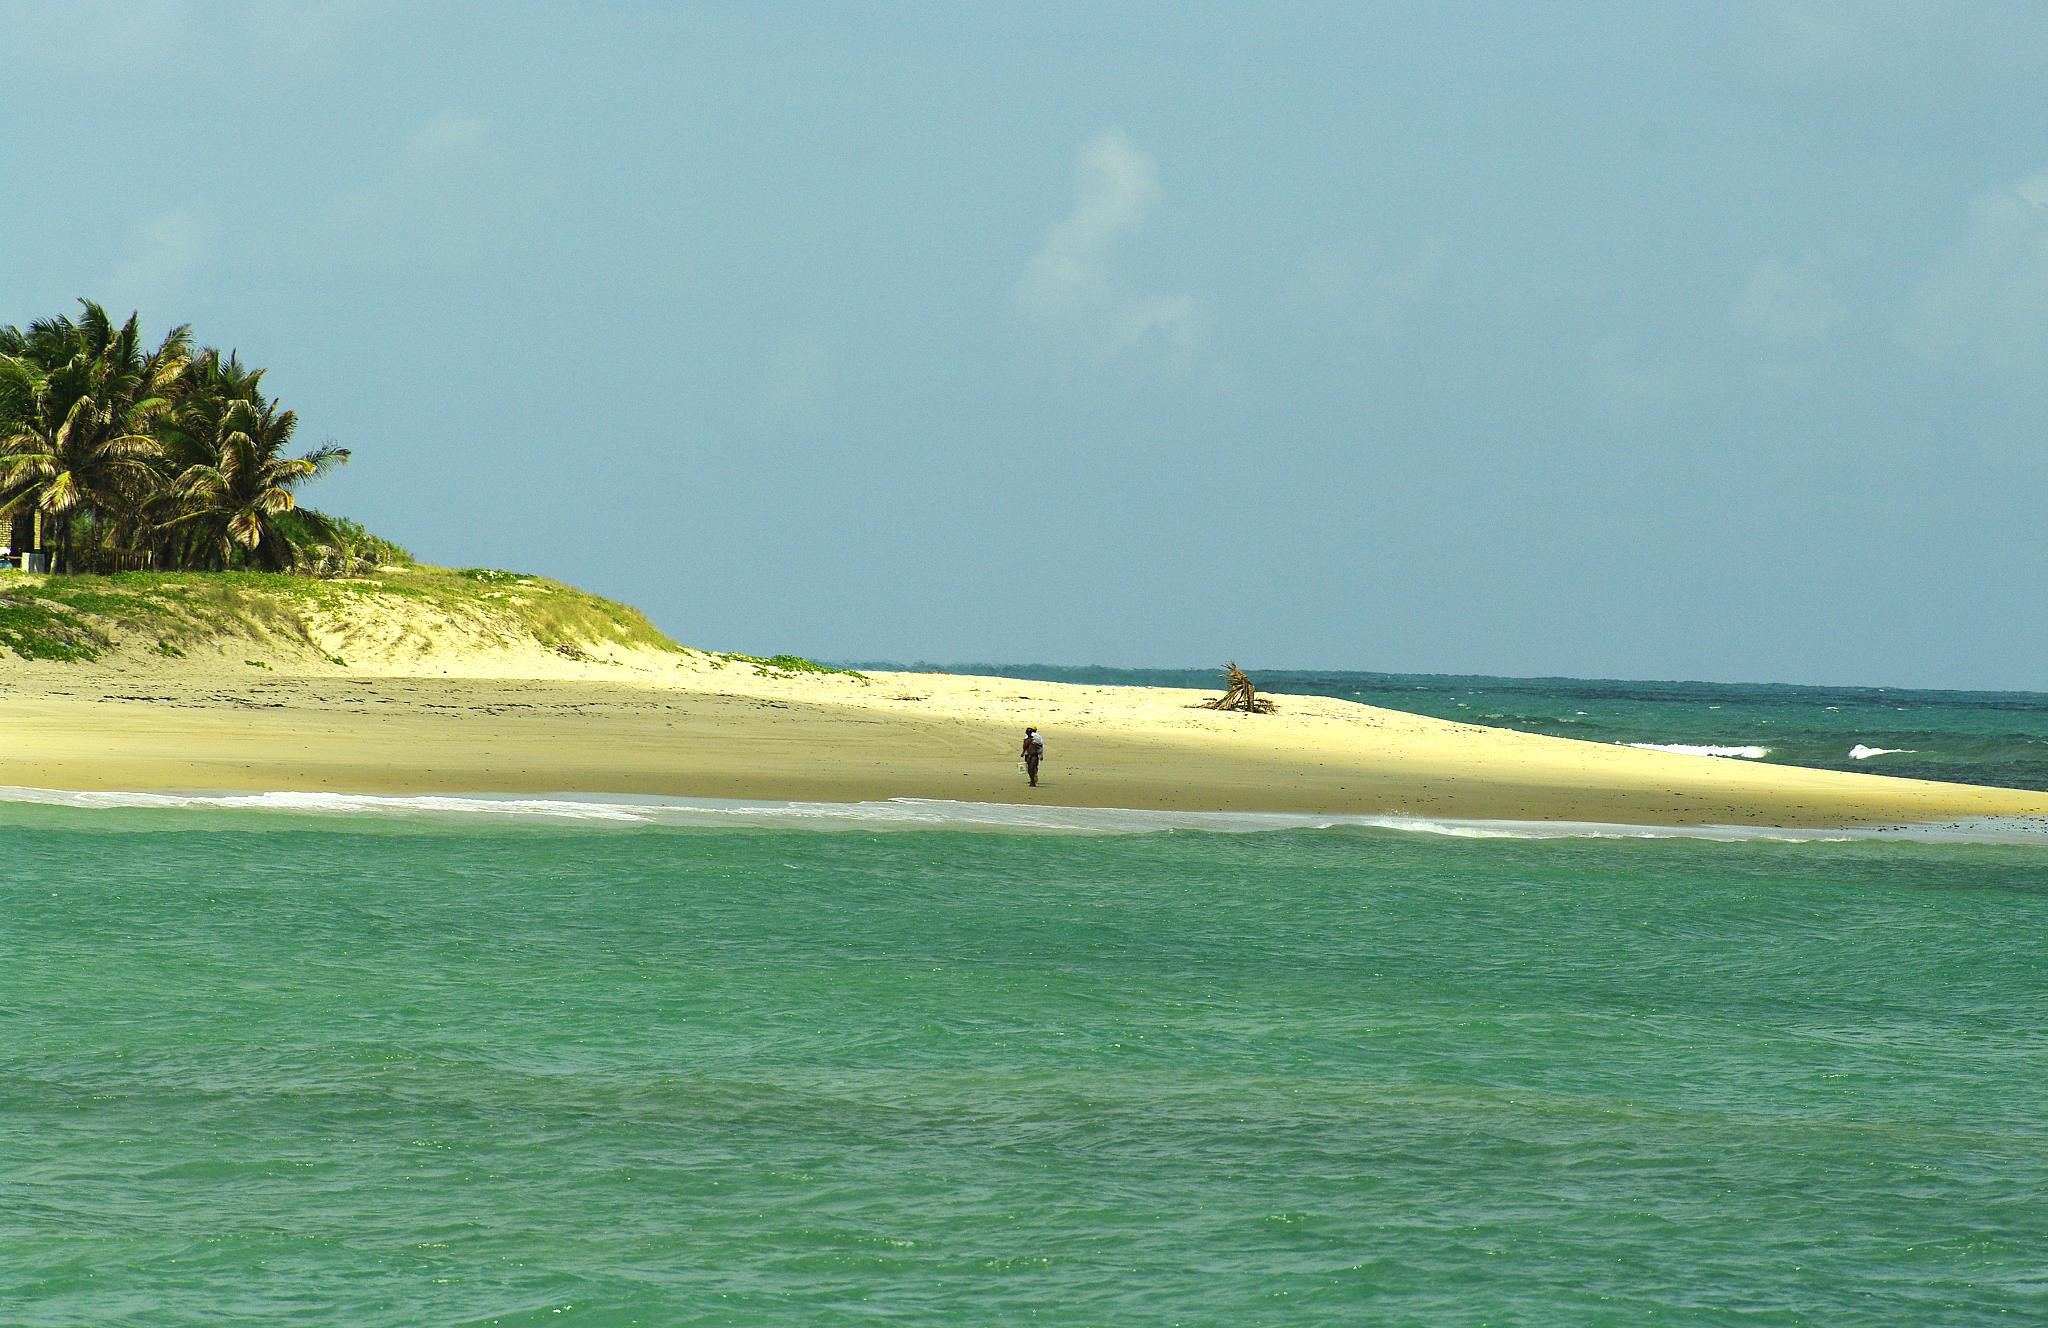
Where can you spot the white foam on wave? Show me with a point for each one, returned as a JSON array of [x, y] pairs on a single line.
[[568, 809], [596, 810], [1861, 753], [1698, 749]]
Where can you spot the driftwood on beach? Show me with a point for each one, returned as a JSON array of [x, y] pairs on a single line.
[[1238, 694]]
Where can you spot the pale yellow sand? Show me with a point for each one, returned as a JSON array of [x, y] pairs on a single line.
[[662, 724]]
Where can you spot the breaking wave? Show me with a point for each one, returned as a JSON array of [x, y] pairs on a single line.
[[931, 814], [1693, 749]]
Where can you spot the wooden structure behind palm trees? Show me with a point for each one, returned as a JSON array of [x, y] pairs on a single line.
[[23, 533]]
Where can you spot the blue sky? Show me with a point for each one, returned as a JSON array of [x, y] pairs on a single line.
[[1619, 340]]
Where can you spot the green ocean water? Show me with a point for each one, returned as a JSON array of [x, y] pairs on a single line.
[[373, 1070]]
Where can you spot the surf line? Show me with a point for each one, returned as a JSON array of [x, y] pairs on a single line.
[[1693, 749], [622, 812]]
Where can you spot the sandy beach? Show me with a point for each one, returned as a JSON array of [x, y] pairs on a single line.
[[694, 725]]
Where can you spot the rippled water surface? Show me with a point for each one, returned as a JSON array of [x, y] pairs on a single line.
[[258, 1067]]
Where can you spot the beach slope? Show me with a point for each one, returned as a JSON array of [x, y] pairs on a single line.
[[703, 726]]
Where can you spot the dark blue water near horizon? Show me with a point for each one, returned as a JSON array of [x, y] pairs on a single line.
[[1997, 738]]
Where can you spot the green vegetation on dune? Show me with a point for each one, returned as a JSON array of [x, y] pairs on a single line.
[[331, 545], [34, 628], [170, 613], [782, 666]]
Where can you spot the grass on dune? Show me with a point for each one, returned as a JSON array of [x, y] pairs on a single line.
[[77, 617], [37, 629], [783, 666]]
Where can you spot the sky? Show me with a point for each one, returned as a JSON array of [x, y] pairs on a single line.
[[1602, 340]]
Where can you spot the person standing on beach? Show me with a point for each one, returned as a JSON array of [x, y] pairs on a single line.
[[1034, 748]]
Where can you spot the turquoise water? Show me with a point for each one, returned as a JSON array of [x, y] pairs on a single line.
[[1969, 737], [373, 1070]]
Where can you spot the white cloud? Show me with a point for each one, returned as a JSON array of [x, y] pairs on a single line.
[[122, 36], [1986, 298], [93, 34], [1785, 307], [1804, 39], [1370, 284], [1071, 284], [297, 31], [1803, 35], [436, 149], [1639, 386], [444, 138], [160, 257]]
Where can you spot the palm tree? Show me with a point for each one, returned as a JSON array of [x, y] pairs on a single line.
[[233, 499], [79, 403], [190, 437], [50, 342], [212, 382], [75, 444], [125, 448]]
